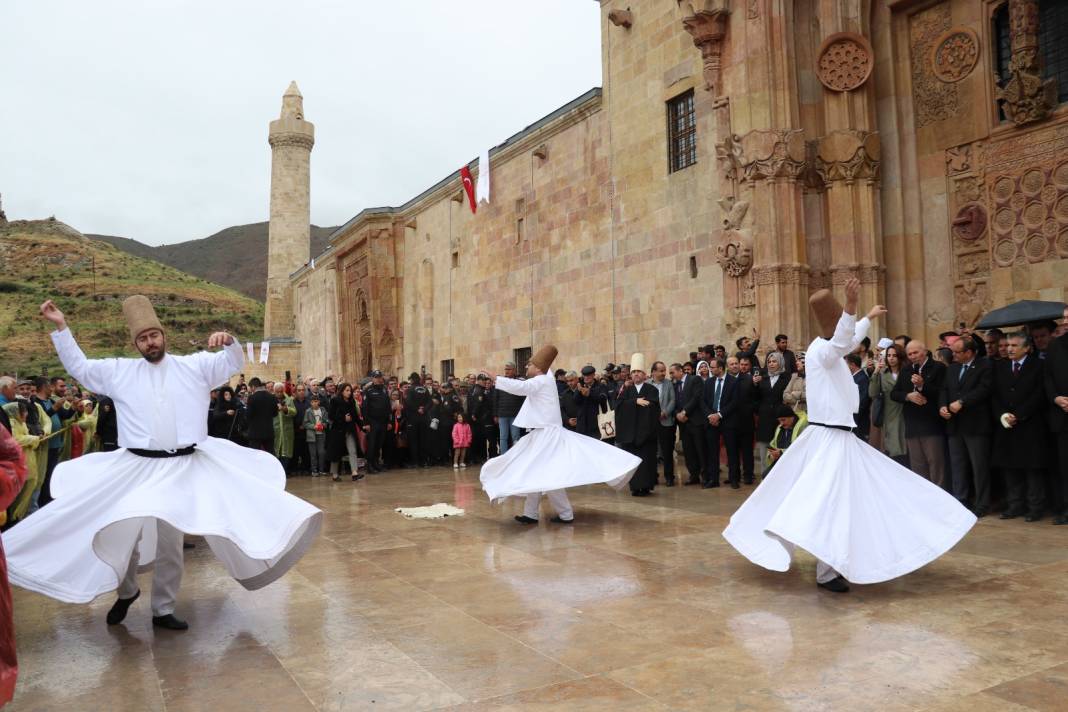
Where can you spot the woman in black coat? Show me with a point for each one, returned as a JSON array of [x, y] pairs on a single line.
[[770, 388], [228, 417], [341, 440]]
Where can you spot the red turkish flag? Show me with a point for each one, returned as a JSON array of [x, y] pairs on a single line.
[[469, 187]]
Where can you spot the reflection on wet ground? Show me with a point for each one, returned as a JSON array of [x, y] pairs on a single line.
[[640, 605]]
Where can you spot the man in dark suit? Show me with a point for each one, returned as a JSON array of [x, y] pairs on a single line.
[[1057, 396], [688, 392], [570, 407], [1019, 403], [863, 415], [739, 404], [592, 398], [965, 406], [919, 388], [637, 424], [262, 408], [713, 397]]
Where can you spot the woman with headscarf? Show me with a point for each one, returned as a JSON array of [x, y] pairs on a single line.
[[228, 417], [107, 425], [770, 389]]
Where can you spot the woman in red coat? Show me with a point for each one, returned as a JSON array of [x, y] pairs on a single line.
[[12, 477]]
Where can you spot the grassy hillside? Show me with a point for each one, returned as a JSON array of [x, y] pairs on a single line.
[[47, 259], [235, 257]]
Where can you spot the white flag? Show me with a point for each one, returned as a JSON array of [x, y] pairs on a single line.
[[248, 348], [265, 351], [482, 188]]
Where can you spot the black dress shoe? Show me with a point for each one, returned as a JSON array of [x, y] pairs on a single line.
[[979, 512], [1010, 514], [1032, 517], [169, 622], [524, 519], [710, 485], [117, 614], [836, 585], [640, 493], [669, 483], [735, 485], [1061, 519], [558, 520]]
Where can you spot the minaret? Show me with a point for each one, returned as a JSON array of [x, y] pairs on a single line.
[[289, 235]]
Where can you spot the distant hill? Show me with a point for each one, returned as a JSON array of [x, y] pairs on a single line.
[[235, 257], [41, 259]]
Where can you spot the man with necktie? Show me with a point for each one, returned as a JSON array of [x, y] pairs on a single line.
[[965, 406], [1020, 444]]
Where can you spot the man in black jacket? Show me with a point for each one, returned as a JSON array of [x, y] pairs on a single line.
[[1020, 444], [713, 400], [480, 417], [637, 424], [688, 395], [863, 415], [965, 406], [570, 401], [377, 410], [417, 423], [261, 411], [1057, 395], [739, 404], [592, 400], [919, 388]]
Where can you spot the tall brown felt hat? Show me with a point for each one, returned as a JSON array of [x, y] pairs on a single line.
[[545, 357], [827, 310], [140, 316]]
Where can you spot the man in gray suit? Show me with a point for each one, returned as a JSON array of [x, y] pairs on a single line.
[[666, 432]]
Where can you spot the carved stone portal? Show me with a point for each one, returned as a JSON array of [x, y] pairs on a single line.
[[763, 154], [848, 155], [845, 61]]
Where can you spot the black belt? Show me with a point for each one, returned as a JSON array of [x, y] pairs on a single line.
[[836, 427], [180, 452]]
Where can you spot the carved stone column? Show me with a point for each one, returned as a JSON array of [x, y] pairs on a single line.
[[847, 161], [768, 164], [1026, 98], [707, 24]]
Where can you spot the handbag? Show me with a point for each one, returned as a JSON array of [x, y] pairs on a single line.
[[606, 424], [878, 407]]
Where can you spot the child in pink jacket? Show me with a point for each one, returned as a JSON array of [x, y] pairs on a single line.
[[461, 440]]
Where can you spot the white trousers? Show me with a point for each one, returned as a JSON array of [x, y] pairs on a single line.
[[824, 572], [557, 498], [167, 573]]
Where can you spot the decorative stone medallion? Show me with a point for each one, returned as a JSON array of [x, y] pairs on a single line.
[[845, 61], [955, 54]]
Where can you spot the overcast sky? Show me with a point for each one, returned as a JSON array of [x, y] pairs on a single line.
[[149, 119]]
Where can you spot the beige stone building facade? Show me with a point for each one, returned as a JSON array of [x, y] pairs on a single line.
[[741, 154]]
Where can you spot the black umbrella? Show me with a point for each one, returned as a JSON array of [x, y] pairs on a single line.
[[1023, 312]]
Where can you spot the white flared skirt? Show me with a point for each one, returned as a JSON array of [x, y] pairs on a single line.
[[850, 506], [107, 505], [547, 459]]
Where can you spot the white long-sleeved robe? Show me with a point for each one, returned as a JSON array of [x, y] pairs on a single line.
[[107, 504], [551, 457], [837, 497]]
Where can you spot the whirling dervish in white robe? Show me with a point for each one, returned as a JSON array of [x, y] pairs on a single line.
[[863, 516], [550, 458], [117, 513]]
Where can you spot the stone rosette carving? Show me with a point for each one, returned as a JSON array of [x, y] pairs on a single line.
[[969, 224], [764, 154], [848, 155], [932, 100], [845, 61], [1026, 97], [707, 24], [955, 54]]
